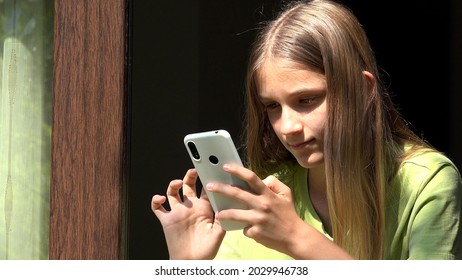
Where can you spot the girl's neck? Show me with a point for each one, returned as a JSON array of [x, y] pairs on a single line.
[[317, 180]]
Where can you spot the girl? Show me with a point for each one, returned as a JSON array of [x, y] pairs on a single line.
[[344, 176]]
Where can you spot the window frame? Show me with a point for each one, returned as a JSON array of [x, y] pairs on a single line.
[[88, 175]]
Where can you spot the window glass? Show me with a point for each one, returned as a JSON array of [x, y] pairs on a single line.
[[26, 57]]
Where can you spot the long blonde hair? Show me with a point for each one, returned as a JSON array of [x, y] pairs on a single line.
[[364, 135]]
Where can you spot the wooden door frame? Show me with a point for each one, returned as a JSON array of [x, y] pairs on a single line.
[[88, 174]]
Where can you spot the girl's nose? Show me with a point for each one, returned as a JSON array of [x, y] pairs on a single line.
[[291, 122]]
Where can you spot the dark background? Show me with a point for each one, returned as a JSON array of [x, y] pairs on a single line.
[[188, 61]]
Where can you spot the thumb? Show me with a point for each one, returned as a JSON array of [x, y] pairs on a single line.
[[277, 186]]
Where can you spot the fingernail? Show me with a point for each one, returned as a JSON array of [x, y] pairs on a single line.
[[226, 166], [209, 186]]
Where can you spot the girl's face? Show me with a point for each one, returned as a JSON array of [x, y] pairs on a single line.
[[295, 101]]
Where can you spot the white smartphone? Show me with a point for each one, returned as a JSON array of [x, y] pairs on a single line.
[[209, 151]]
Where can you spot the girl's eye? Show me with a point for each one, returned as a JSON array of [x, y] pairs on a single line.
[[271, 106], [309, 100]]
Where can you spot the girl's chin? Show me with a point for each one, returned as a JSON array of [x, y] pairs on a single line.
[[311, 161]]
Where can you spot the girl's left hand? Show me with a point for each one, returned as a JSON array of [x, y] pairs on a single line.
[[271, 213]]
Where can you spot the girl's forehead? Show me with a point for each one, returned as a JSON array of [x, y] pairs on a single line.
[[274, 67], [280, 76], [276, 64]]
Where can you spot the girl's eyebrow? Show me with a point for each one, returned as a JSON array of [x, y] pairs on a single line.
[[308, 91], [263, 98]]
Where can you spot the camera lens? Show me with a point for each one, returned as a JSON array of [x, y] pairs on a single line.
[[193, 150], [213, 159]]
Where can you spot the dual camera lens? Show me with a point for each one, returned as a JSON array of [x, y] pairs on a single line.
[[195, 153]]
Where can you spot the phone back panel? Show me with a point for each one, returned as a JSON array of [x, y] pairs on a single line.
[[213, 150]]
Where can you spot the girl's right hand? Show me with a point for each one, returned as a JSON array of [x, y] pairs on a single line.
[[190, 229]]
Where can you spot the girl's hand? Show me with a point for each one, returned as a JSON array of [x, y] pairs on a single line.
[[272, 218], [190, 229], [271, 215]]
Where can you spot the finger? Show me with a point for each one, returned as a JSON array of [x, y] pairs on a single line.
[[156, 205], [237, 215], [204, 195], [234, 192], [189, 183], [173, 192], [255, 183], [276, 186]]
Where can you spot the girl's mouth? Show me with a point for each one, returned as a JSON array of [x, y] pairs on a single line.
[[302, 145]]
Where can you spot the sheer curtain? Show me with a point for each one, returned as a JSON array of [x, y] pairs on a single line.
[[25, 127]]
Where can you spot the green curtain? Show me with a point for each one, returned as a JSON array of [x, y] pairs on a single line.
[[25, 127]]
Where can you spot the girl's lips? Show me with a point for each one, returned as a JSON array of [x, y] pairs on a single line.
[[300, 146]]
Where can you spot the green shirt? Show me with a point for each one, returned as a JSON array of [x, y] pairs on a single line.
[[423, 214]]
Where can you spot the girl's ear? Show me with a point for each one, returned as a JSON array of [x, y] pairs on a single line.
[[370, 81]]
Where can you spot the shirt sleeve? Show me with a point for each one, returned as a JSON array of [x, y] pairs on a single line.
[[434, 226]]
